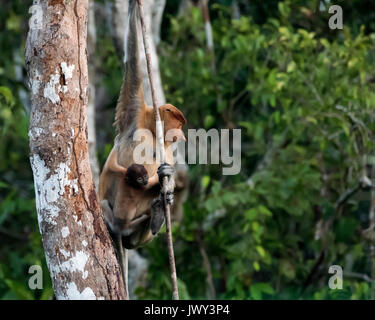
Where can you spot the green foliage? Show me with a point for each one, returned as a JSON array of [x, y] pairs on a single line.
[[21, 245], [19, 234], [304, 98], [305, 102]]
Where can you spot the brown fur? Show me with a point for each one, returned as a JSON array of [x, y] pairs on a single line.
[[127, 209]]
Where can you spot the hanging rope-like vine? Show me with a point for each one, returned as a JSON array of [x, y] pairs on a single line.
[[160, 142]]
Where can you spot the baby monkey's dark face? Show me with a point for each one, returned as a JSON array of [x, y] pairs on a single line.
[[136, 176]]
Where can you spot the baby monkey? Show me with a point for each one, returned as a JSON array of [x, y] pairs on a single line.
[[136, 178], [121, 214]]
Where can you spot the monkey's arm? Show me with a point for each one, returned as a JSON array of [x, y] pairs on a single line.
[[164, 170], [107, 214], [129, 227], [112, 163], [154, 180]]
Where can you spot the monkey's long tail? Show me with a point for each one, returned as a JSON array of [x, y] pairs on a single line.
[[123, 257], [131, 98]]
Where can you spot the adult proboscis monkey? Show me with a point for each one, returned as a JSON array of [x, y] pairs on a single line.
[[133, 224]]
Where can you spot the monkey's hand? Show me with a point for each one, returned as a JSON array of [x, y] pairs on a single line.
[[165, 170]]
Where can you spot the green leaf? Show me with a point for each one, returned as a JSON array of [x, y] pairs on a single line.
[[205, 181], [261, 251], [256, 265]]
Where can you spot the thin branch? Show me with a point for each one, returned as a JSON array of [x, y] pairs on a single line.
[[346, 196], [211, 292], [356, 275], [160, 140], [313, 88]]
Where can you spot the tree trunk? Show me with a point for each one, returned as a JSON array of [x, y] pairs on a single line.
[[91, 43], [79, 253]]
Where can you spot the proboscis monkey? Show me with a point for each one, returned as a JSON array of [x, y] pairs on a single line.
[[133, 224]]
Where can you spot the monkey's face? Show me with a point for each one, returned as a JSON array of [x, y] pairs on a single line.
[[136, 176], [173, 121]]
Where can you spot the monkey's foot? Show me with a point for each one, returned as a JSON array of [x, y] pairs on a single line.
[[157, 215]]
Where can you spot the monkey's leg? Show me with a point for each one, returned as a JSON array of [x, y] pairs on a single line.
[[166, 170], [128, 229], [152, 181], [157, 215], [107, 214], [123, 258], [113, 226], [157, 211], [157, 206]]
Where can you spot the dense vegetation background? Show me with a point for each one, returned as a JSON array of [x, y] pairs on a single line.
[[304, 97]]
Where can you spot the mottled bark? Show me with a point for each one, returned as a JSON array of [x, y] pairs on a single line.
[[91, 42], [78, 250]]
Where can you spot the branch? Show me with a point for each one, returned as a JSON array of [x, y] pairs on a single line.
[[160, 141], [362, 276], [206, 265], [364, 184], [346, 196]]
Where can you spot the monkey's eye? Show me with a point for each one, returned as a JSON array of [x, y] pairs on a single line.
[[145, 177], [139, 179], [169, 110]]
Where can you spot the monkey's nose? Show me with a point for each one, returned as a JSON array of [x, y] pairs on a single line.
[[179, 135]]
